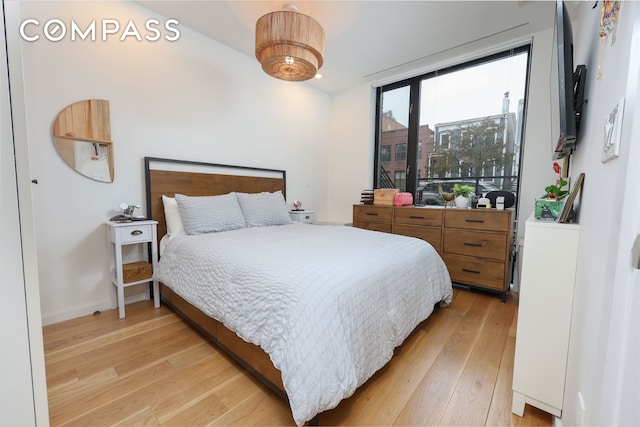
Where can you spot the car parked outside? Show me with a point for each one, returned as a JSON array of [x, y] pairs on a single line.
[[428, 193]]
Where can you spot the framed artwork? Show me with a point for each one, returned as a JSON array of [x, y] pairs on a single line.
[[612, 132], [568, 204]]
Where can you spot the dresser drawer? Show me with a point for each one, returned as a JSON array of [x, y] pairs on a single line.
[[475, 271], [476, 243], [478, 219], [135, 234], [432, 235], [372, 213], [374, 226], [418, 216]]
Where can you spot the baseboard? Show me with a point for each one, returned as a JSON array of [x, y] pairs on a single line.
[[76, 312], [89, 309]]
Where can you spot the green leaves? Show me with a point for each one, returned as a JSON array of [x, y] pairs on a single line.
[[462, 190], [556, 191]]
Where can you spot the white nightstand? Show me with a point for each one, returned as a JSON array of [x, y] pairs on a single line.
[[120, 234], [308, 217]]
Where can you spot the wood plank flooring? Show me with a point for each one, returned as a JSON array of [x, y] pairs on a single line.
[[152, 368]]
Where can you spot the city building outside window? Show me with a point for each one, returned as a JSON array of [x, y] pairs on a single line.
[[462, 124]]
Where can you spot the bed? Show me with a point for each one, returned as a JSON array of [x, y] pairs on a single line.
[[312, 310]]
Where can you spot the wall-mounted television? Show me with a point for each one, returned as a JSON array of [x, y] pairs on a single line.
[[570, 86]]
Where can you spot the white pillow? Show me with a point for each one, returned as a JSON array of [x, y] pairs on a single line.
[[209, 214], [172, 217], [264, 209]]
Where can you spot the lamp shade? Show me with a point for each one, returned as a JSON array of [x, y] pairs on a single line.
[[289, 45]]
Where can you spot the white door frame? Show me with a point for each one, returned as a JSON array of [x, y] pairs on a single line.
[[24, 394]]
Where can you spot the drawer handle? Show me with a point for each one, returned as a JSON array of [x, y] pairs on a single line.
[[466, 270], [136, 232], [474, 220], [416, 217], [477, 245], [307, 217], [372, 214]]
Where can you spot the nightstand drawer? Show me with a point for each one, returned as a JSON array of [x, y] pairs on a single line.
[[476, 243], [135, 234], [418, 216], [474, 271], [306, 217]]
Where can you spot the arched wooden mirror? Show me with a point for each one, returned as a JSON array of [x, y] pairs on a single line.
[[82, 135]]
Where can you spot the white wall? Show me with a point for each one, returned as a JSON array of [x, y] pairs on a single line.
[[192, 99], [601, 312], [351, 150]]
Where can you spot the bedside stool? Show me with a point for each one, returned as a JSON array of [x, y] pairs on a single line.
[[120, 234], [307, 217]]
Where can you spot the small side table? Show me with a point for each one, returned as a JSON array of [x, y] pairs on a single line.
[[307, 217], [120, 234]]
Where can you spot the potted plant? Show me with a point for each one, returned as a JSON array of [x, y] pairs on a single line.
[[462, 193], [549, 206]]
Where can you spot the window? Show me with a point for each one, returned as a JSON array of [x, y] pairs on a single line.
[[444, 141], [400, 180], [394, 131], [459, 124], [401, 152], [385, 153]]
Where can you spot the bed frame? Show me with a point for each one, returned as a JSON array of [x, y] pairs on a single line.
[[168, 177]]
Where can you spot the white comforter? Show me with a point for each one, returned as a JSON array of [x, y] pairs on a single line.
[[328, 303]]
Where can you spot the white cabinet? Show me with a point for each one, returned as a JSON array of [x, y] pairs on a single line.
[[130, 233], [544, 315], [307, 217]]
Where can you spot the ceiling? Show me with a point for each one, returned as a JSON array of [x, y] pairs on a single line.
[[370, 41]]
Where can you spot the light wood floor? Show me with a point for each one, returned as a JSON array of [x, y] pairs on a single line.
[[151, 368]]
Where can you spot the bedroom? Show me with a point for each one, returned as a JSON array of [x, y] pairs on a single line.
[[156, 110]]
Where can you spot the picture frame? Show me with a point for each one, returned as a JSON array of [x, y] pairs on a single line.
[[613, 133], [568, 205]]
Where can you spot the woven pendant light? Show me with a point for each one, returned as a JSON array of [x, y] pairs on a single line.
[[289, 45]]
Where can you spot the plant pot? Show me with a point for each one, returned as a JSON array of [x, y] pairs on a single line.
[[462, 202]]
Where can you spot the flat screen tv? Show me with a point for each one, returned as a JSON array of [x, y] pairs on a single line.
[[570, 86]]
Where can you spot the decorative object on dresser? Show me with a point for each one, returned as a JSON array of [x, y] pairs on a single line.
[[121, 275], [483, 203], [447, 197], [403, 199], [549, 206], [366, 197], [384, 196], [544, 315], [567, 214], [297, 205], [509, 198], [306, 217], [474, 243], [462, 194]]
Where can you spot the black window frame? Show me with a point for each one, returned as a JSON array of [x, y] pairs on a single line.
[[414, 84]]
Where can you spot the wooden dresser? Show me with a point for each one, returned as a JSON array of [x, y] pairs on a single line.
[[475, 244]]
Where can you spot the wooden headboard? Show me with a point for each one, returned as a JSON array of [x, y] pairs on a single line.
[[168, 177]]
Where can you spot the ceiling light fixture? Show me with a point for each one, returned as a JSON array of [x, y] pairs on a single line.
[[289, 44]]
